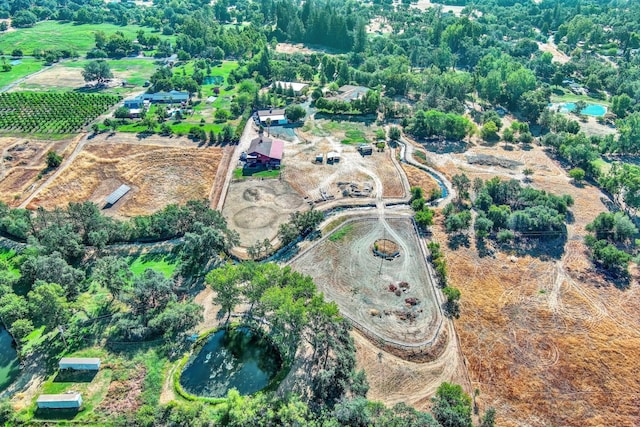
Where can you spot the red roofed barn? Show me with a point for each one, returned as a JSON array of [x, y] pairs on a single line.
[[265, 151]]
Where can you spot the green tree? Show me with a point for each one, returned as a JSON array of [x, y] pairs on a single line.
[[451, 406], [462, 184], [577, 174], [424, 218], [224, 282], [177, 318], [98, 71], [394, 133], [113, 273], [295, 112], [53, 159], [48, 305]]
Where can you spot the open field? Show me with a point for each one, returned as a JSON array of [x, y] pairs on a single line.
[[159, 171], [53, 35], [547, 341], [24, 67], [21, 163], [419, 178], [368, 289]]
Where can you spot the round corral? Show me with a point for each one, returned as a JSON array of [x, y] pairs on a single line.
[[394, 303], [255, 217], [386, 248]]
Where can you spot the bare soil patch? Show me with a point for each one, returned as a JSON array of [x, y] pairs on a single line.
[[158, 174], [123, 396], [256, 208], [547, 341], [54, 77], [369, 289]]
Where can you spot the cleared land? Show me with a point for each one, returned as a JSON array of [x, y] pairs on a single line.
[[354, 173], [159, 171], [256, 208], [22, 161], [369, 289], [547, 341]]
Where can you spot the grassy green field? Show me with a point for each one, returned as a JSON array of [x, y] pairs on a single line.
[[572, 97], [24, 68], [162, 263], [49, 35]]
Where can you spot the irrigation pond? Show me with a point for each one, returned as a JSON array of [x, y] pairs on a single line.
[[9, 365], [231, 358]]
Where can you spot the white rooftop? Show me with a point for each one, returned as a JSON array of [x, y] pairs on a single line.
[[66, 397]]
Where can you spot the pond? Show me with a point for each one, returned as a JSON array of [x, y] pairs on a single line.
[[595, 110], [9, 365], [236, 358], [213, 80]]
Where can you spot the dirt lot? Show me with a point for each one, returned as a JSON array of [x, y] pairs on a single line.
[[159, 171], [21, 162], [255, 208], [367, 288], [547, 342], [314, 179]]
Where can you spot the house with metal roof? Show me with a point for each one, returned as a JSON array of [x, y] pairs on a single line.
[[272, 117], [265, 151], [297, 88], [172, 97]]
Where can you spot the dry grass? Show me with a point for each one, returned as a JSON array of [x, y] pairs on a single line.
[[158, 175], [21, 162], [123, 396], [419, 178], [547, 342]]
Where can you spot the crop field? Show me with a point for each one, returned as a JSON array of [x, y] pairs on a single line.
[[21, 68], [52, 35], [368, 289], [547, 341], [159, 171], [50, 113]]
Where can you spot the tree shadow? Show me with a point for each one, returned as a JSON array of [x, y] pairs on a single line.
[[541, 248], [483, 249], [458, 240], [73, 376], [443, 146]]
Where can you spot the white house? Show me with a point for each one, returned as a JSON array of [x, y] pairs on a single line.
[[80, 363], [59, 401], [277, 117]]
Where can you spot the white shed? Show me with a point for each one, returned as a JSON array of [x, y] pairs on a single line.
[[59, 401], [80, 363]]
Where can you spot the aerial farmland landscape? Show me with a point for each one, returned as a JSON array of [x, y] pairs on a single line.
[[379, 213]]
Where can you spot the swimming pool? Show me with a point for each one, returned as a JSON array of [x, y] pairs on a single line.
[[595, 110]]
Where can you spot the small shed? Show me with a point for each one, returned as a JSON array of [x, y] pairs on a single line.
[[333, 157], [117, 195], [59, 401], [80, 363], [365, 149], [320, 158]]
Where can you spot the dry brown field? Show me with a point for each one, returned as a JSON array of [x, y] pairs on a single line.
[[22, 161], [547, 341], [160, 171]]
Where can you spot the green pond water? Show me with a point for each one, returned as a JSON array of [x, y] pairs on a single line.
[[9, 366], [236, 358]]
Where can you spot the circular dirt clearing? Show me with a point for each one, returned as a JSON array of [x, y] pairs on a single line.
[[386, 248], [288, 201], [255, 194], [255, 217]]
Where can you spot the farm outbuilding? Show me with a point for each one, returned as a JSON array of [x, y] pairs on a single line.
[[272, 117], [59, 401], [80, 363], [333, 157], [116, 195], [365, 149]]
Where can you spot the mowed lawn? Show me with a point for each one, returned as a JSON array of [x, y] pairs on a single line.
[[50, 35], [24, 68]]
